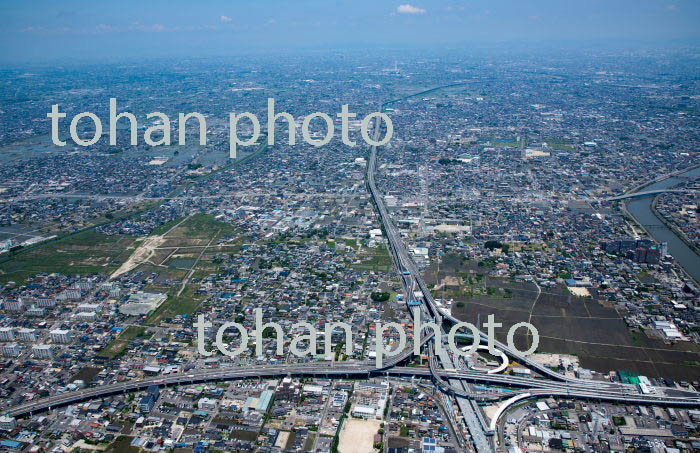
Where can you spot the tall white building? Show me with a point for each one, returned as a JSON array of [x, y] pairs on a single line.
[[87, 307], [46, 302], [13, 305], [60, 335], [7, 334], [11, 350], [26, 334], [86, 316], [36, 311], [7, 423], [42, 351]]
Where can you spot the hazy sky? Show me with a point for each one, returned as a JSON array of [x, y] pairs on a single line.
[[43, 30]]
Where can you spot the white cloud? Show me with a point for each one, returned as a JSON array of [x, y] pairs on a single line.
[[226, 19], [104, 28], [140, 27], [410, 9]]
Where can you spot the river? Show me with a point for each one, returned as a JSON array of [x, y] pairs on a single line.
[[640, 209]]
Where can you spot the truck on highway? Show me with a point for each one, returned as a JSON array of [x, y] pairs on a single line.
[[644, 389]]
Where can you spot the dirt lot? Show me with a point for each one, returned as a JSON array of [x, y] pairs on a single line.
[[358, 436], [585, 327]]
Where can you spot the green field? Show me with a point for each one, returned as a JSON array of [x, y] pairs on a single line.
[[84, 253], [89, 252], [192, 244], [196, 231], [184, 304], [87, 374], [122, 444], [509, 144], [203, 226], [189, 240], [119, 344], [377, 260], [560, 145]]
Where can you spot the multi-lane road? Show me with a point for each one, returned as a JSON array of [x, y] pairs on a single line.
[[561, 385], [603, 390], [445, 374]]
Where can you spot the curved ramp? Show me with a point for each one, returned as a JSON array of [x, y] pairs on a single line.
[[503, 407]]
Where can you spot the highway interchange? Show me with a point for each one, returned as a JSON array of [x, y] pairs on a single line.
[[416, 289], [445, 370]]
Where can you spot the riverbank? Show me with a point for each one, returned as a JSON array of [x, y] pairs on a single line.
[[672, 226], [639, 187], [641, 212]]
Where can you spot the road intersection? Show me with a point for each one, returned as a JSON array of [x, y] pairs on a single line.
[[443, 368]]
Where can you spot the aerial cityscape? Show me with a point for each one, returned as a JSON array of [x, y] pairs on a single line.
[[536, 206]]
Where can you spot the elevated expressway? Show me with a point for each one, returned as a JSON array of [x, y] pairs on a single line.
[[442, 370], [359, 370], [645, 193], [440, 360]]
